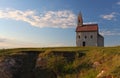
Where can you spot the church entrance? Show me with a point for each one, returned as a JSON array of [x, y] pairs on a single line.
[[83, 43]]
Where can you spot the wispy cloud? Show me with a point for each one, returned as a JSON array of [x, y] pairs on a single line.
[[110, 16], [110, 33], [2, 40], [90, 23], [55, 19], [118, 3], [13, 43]]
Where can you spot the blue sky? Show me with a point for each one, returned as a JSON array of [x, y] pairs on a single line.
[[49, 23]]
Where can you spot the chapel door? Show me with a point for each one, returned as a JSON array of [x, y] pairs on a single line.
[[84, 44]]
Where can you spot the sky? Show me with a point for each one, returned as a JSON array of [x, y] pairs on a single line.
[[52, 23]]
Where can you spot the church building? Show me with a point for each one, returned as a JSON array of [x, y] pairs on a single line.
[[88, 34]]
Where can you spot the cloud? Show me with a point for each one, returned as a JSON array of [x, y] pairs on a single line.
[[90, 23], [110, 33], [13, 43], [118, 3], [2, 40], [110, 16], [55, 19]]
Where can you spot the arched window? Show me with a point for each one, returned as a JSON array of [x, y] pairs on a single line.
[[79, 36], [85, 37]]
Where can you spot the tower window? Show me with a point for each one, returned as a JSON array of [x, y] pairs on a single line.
[[85, 37]]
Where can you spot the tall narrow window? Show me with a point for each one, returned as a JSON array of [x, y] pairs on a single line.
[[85, 37]]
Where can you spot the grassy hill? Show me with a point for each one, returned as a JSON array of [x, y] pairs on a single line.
[[66, 62]]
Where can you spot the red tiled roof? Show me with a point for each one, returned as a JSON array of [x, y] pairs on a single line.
[[87, 28]]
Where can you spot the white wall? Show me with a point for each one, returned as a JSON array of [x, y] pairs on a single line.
[[89, 41]]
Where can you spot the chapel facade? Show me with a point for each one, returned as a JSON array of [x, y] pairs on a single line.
[[88, 34]]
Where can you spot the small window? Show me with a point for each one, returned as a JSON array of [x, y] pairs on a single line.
[[85, 37], [79, 36], [91, 36]]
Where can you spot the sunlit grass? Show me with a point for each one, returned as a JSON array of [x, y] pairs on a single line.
[[108, 57]]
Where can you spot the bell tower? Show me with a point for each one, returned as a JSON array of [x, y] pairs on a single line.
[[80, 20]]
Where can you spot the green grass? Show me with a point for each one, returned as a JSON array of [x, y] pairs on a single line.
[[108, 57]]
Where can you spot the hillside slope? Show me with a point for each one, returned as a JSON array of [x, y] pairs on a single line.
[[60, 62]]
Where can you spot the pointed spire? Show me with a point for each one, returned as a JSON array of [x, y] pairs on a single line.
[[80, 20]]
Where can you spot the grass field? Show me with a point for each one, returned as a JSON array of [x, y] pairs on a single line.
[[90, 65]]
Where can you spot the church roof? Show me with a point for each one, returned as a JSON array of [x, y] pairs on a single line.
[[87, 28]]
